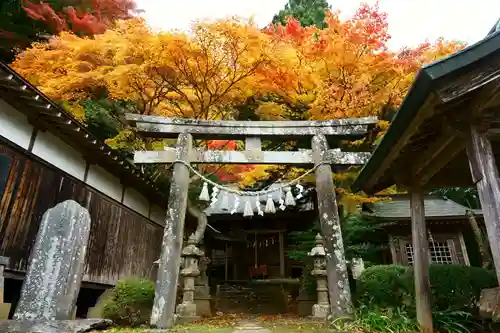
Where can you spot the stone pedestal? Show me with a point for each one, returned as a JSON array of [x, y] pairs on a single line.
[[321, 309], [202, 296], [489, 304], [186, 311], [4, 307]]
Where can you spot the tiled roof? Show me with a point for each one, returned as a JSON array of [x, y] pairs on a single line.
[[435, 207]]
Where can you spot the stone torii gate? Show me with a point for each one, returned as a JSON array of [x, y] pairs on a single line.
[[320, 156]]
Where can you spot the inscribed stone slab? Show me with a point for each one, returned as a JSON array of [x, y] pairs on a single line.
[[56, 265]]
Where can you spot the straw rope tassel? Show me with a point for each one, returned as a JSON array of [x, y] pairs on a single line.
[[259, 209], [248, 211], [224, 204], [204, 195], [270, 205], [281, 201], [289, 200], [236, 204], [215, 192]]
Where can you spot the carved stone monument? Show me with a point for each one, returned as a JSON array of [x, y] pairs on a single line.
[[321, 309], [4, 307], [56, 264], [187, 309], [202, 289]]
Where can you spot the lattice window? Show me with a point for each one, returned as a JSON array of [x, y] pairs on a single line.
[[409, 253], [439, 250]]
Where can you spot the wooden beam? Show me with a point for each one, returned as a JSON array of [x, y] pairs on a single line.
[[213, 129], [485, 175], [282, 254], [413, 127], [443, 156], [336, 267], [202, 156], [433, 151], [162, 316], [421, 261]]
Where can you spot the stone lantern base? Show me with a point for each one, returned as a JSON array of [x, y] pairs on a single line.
[[320, 311], [186, 313]]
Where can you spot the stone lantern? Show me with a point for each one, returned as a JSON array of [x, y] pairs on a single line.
[[318, 253], [190, 271], [202, 294]]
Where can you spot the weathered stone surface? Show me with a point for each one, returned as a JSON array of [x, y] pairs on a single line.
[[320, 311], [338, 281], [4, 261], [54, 326], [489, 303], [230, 129], [202, 296], [56, 265], [203, 156], [162, 315], [191, 253], [318, 253]]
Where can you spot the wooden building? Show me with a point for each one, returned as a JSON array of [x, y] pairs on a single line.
[[446, 221], [255, 247], [46, 157], [445, 134]]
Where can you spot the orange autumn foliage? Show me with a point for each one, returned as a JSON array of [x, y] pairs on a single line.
[[346, 69], [343, 70]]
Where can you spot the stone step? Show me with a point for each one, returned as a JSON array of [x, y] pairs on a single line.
[[251, 299]]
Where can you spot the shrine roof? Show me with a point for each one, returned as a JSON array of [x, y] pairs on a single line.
[[436, 207], [426, 140]]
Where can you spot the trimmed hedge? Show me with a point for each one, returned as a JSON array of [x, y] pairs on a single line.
[[130, 303], [453, 287], [382, 286]]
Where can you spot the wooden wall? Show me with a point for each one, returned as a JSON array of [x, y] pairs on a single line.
[[122, 242]]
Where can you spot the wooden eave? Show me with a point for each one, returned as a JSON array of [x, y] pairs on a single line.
[[425, 143], [45, 115]]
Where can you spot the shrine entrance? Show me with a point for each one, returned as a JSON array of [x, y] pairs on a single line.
[[321, 134]]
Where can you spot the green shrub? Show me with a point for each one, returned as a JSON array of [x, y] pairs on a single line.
[[130, 303], [370, 320], [382, 286], [455, 287], [384, 290]]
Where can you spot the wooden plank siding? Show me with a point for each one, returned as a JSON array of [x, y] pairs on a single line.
[[122, 242]]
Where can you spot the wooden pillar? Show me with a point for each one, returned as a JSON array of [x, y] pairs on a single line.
[[485, 176], [282, 254], [256, 251], [226, 263], [338, 281], [421, 261], [170, 259]]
